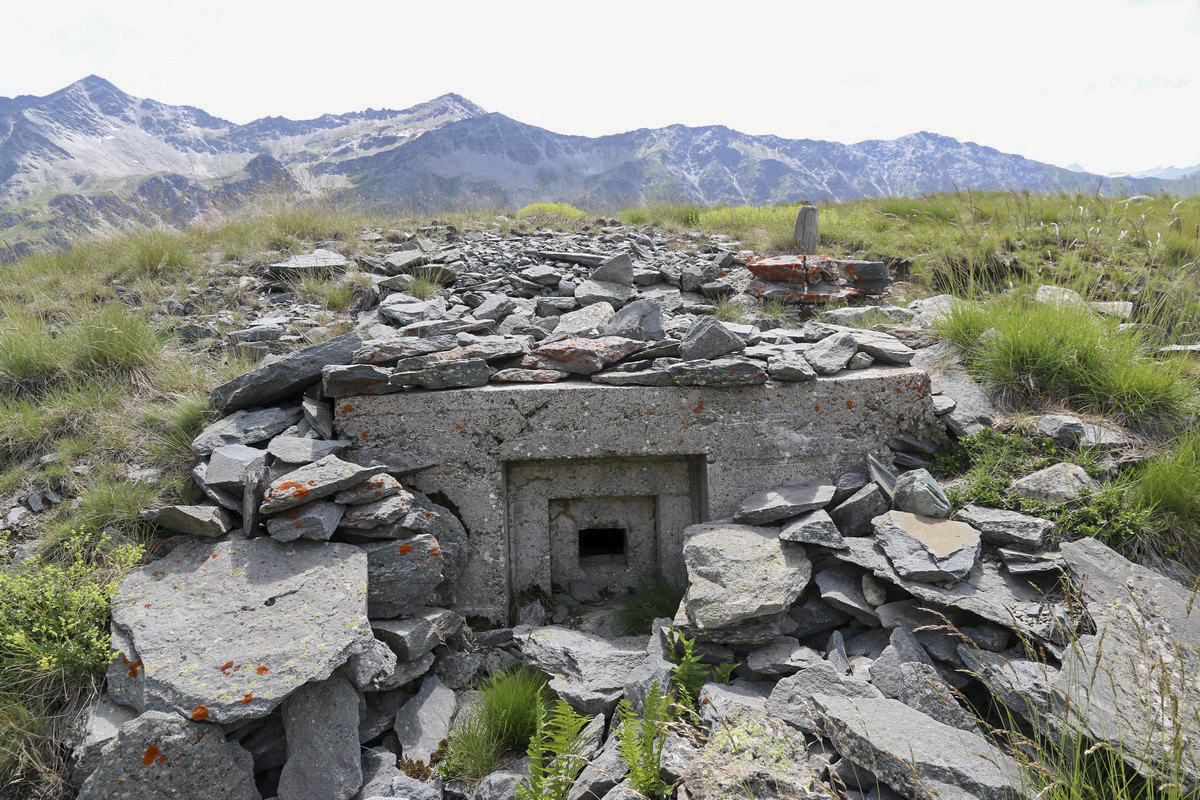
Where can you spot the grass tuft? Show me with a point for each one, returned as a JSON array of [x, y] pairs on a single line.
[[637, 611], [498, 726], [554, 212]]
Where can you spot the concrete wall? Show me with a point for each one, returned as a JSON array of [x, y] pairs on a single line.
[[752, 438]]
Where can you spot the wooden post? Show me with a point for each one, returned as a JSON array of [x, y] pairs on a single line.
[[806, 230]]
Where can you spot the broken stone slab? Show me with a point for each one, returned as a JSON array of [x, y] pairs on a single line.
[[431, 372], [832, 354], [919, 493], [404, 310], [1003, 528], [914, 754], [707, 339], [208, 522], [284, 377], [925, 548], [1060, 483], [783, 502], [1019, 562], [581, 356], [988, 591], [586, 320], [377, 487], [973, 410], [782, 656], [641, 320], [853, 516], [614, 294], [813, 527], [494, 307], [300, 450], [718, 372], [424, 721], [403, 261], [386, 352], [248, 426], [588, 671], [378, 513], [264, 618], [161, 756], [814, 615], [229, 464], [790, 367], [792, 698], [316, 521], [343, 380], [645, 377], [601, 774], [314, 481], [369, 669], [1132, 682], [97, 726], [519, 375], [753, 755], [490, 348], [919, 686], [321, 723], [221, 497], [841, 588], [740, 572], [618, 269], [402, 574], [418, 633]]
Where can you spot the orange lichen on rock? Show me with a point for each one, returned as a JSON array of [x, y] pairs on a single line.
[[199, 713], [151, 755]]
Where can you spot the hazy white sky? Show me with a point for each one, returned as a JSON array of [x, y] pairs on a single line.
[[1111, 84]]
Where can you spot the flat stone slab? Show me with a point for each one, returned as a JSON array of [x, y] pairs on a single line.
[[1060, 483], [286, 376], [916, 755], [813, 527], [313, 481], [403, 573], [424, 721], [925, 548], [1003, 528], [783, 502], [161, 756], [321, 723], [589, 671], [581, 356], [206, 521], [247, 426], [739, 572], [225, 631]]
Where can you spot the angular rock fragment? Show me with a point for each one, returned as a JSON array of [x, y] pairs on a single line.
[[1060, 483], [97, 727], [402, 573], [378, 512], [790, 367], [587, 319], [161, 756], [792, 698], [918, 493], [518, 375], [753, 755], [208, 522], [739, 572], [386, 352], [418, 633], [431, 372], [403, 310], [853, 516], [641, 320], [321, 722], [618, 269], [374, 488], [589, 672], [613, 294], [264, 618], [813, 527], [783, 502], [342, 380], [229, 464], [707, 339], [300, 450], [718, 372], [832, 354], [316, 520], [314, 481], [927, 549], [319, 262], [245, 427], [841, 588], [424, 721], [284, 377], [1003, 528], [581, 356]]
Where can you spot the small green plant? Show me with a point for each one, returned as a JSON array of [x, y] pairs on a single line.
[[640, 741], [773, 310], [500, 724], [637, 611], [689, 675], [424, 287], [554, 759], [729, 311]]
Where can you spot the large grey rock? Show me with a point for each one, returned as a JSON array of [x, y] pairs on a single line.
[[424, 721], [918, 493], [1060, 483], [302, 450], [321, 722], [494, 307], [832, 353], [641, 320], [753, 756], [245, 427], [208, 522], [378, 513], [719, 700], [343, 380], [589, 672], [927, 549], [884, 348], [402, 574], [841, 588], [1003, 528], [655, 668], [790, 367], [718, 372], [387, 351], [372, 489], [853, 516], [812, 527], [319, 261], [914, 754], [783, 656], [97, 726], [920, 687], [739, 572], [285, 376], [973, 408], [409, 788], [707, 338], [587, 319], [581, 356], [432, 372], [601, 774], [263, 618], [618, 269], [316, 520], [791, 699], [499, 785], [404, 310], [613, 294], [161, 756], [418, 633], [1133, 682], [372, 667], [229, 465], [783, 502], [313, 481]]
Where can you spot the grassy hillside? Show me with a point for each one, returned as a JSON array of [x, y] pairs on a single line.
[[100, 395]]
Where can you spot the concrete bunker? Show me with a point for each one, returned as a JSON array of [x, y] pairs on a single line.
[[573, 479]]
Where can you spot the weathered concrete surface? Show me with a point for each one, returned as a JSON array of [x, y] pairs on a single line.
[[751, 437], [225, 631]]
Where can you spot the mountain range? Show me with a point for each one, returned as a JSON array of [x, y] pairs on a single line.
[[90, 157]]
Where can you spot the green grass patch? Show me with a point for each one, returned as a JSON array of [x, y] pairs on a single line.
[[729, 311], [563, 212], [636, 611]]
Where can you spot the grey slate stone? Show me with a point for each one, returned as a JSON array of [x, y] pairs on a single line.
[[641, 320], [853, 516], [813, 527], [377, 487], [739, 572], [499, 785], [97, 726], [342, 380], [247, 426], [614, 294], [832, 354], [424, 721], [267, 617], [914, 754], [319, 261], [284, 377], [229, 464], [792, 698], [589, 672], [316, 520], [841, 587], [300, 450], [618, 269], [147, 757], [402, 574], [752, 755], [375, 664], [1060, 483], [314, 481], [782, 656], [707, 338], [783, 502], [587, 319], [431, 372], [718, 372], [927, 549], [321, 721], [208, 522], [918, 493], [790, 367], [1003, 528]]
